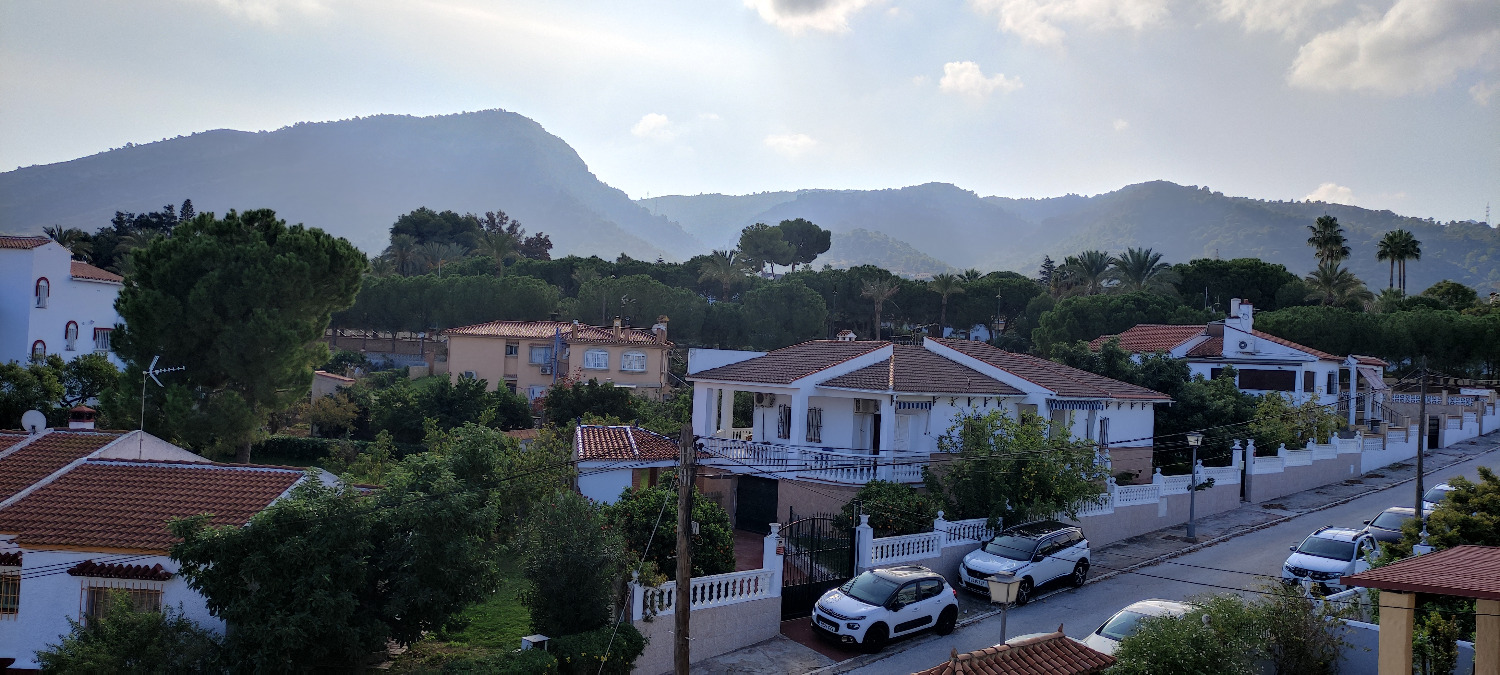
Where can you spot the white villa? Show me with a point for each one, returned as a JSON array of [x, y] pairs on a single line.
[[844, 412], [52, 304], [1264, 362]]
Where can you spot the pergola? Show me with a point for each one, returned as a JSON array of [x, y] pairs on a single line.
[[1461, 571]]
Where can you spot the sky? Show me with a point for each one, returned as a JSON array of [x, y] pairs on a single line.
[[1385, 104]]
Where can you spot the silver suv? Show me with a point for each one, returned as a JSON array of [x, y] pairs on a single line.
[[1035, 552], [1326, 555]]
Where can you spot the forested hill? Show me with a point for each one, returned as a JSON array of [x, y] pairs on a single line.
[[964, 230], [353, 178]]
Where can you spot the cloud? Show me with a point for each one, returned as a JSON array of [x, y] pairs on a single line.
[[654, 126], [1418, 45], [795, 16], [790, 145], [269, 12], [1121, 125], [965, 78], [1332, 193], [1482, 91], [1037, 21], [1289, 17]]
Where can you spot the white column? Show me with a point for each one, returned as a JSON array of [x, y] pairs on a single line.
[[702, 417], [887, 424], [1353, 391], [799, 418], [864, 539], [771, 557], [726, 411]]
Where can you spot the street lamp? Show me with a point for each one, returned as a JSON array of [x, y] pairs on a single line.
[[1003, 589], [1194, 440]]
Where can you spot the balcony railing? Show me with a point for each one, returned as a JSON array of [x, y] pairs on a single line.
[[828, 465]]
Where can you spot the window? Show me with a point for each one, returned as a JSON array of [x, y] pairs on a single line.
[[1268, 380], [512, 350], [928, 588], [101, 339], [145, 596], [43, 289], [510, 386], [634, 362], [1333, 383], [10, 593], [1309, 381], [540, 355], [70, 335], [784, 421], [596, 359], [907, 594], [38, 350], [536, 392], [814, 425]]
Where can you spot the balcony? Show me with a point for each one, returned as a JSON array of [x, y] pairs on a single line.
[[839, 466]]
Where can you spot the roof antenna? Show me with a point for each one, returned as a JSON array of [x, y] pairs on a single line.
[[151, 372]]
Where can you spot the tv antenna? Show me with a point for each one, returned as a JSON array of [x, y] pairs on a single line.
[[151, 371]]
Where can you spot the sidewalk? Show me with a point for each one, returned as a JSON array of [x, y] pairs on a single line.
[[783, 655]]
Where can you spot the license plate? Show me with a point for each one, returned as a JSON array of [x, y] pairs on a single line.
[[827, 624]]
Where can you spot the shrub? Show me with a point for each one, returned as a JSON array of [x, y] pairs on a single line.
[[128, 641], [571, 561], [584, 653], [528, 662], [894, 509], [650, 515]]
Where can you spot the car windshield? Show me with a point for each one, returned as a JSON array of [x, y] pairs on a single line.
[[1011, 548], [1122, 625], [1435, 495], [869, 588], [1327, 548], [1389, 520]]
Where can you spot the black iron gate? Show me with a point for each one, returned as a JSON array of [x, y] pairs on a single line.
[[818, 555]]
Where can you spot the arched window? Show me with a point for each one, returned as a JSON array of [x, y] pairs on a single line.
[[38, 350], [634, 362], [43, 289], [596, 359], [70, 335]]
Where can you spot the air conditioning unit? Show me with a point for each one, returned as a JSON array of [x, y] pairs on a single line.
[[546, 369], [1246, 344], [866, 406], [470, 375], [765, 400]]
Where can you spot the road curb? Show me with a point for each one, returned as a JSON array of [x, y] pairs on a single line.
[[861, 661]]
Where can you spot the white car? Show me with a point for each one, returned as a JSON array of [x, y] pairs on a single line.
[[1332, 552], [1035, 552], [882, 604], [1127, 621], [1435, 496]]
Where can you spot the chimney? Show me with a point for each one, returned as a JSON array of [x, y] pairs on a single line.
[[1247, 316], [617, 328], [1234, 307], [845, 335], [81, 417], [660, 329], [573, 332]]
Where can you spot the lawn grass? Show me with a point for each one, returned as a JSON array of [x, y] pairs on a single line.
[[494, 625]]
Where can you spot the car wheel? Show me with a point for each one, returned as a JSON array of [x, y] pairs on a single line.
[[947, 621], [875, 638], [1023, 594], [1080, 573]]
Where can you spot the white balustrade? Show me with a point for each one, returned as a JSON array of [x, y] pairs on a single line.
[[711, 591], [1101, 505], [921, 546], [971, 531], [1129, 495], [1299, 458], [851, 467], [1222, 475], [1325, 450]]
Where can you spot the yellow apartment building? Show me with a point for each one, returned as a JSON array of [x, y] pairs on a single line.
[[529, 356]]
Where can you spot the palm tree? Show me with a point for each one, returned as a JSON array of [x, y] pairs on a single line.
[[1388, 249], [435, 254], [1336, 285], [125, 263], [1407, 248], [972, 275], [879, 291], [71, 238], [1088, 270], [944, 285], [381, 266], [498, 245], [1141, 269], [1389, 300], [1327, 240], [723, 267], [403, 252]]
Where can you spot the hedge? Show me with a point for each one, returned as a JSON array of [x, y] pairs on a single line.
[[583, 653], [313, 449]]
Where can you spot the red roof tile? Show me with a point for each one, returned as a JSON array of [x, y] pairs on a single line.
[[46, 454], [7, 241], [541, 330], [1288, 343], [89, 568], [1208, 349], [1370, 361], [792, 363], [83, 270], [1065, 381], [920, 371], [117, 504], [1151, 337], [596, 442], [1462, 571], [1053, 654], [332, 376]]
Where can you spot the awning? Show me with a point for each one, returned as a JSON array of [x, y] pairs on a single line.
[[1054, 404], [1373, 378]]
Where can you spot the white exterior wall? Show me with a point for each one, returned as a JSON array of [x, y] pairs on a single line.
[[603, 487], [1320, 369], [47, 602], [1130, 426], [89, 303]]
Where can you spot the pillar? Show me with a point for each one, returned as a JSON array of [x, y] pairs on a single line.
[[1487, 637], [1353, 393], [703, 410], [1397, 618], [864, 542], [771, 557], [726, 411], [800, 401]]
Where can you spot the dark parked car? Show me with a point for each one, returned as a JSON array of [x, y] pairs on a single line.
[[1386, 527]]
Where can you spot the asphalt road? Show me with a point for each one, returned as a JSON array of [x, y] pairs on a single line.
[[1237, 564]]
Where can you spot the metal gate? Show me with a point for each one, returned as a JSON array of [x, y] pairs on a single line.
[[819, 555]]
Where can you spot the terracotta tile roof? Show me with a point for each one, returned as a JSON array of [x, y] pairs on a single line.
[[83, 270], [524, 434], [7, 241], [332, 376], [1288, 343], [1151, 337], [1370, 361], [7, 440], [596, 442], [1462, 571], [792, 363], [1065, 381], [1053, 654], [541, 330], [89, 568], [918, 370], [120, 504], [46, 454], [1208, 349], [11, 559]]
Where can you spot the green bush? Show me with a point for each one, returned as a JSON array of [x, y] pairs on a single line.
[[529, 662], [894, 509], [572, 562], [649, 514], [128, 641], [315, 449], [585, 652]]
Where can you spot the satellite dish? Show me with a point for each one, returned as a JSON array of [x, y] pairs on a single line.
[[33, 421]]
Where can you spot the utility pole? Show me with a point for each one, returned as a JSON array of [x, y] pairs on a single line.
[[686, 474], [1421, 443]]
